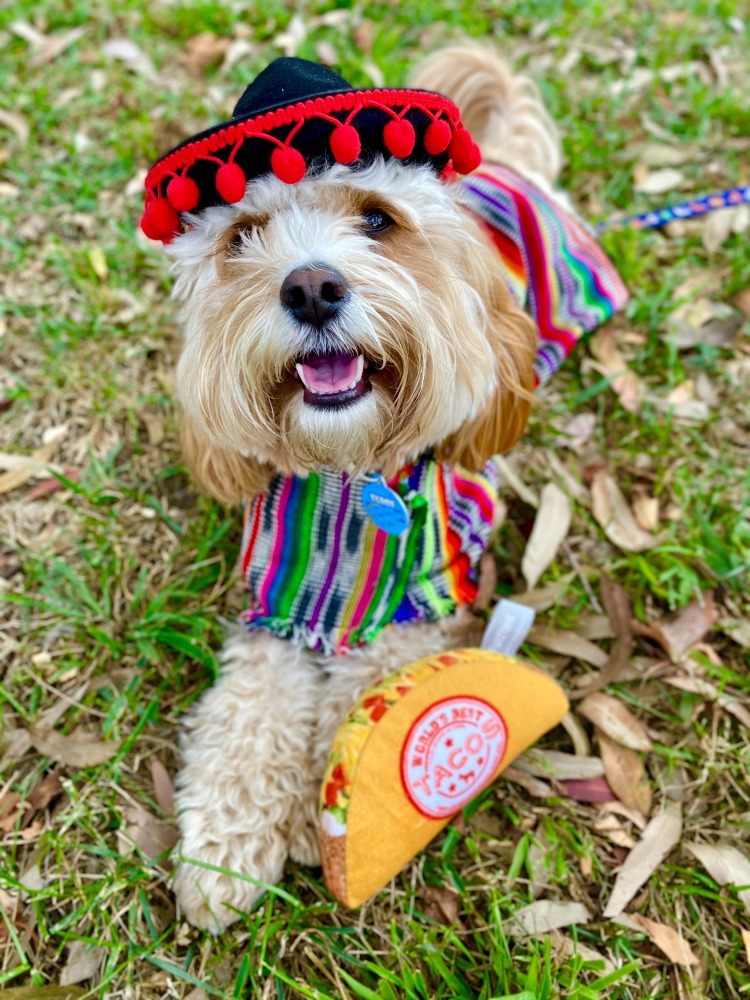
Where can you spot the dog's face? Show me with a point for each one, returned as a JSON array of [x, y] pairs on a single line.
[[351, 321]]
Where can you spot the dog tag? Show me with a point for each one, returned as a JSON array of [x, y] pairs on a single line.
[[384, 506]]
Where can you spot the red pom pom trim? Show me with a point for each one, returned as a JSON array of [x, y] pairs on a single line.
[[399, 137], [183, 194], [162, 218], [148, 227], [231, 182], [464, 152], [345, 144], [288, 164], [437, 137]]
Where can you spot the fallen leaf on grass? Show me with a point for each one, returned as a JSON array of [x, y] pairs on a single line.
[[559, 765], [610, 716], [659, 838], [49, 486], [719, 226], [291, 39], [131, 55], [610, 363], [546, 915], [613, 829], [82, 750], [702, 322], [440, 904], [727, 866], [17, 123], [152, 836], [44, 993], [84, 961], [668, 940], [53, 46], [567, 643], [709, 692], [659, 181], [677, 633], [31, 465], [589, 790], [741, 300], [577, 432], [534, 786], [202, 51], [551, 526], [544, 598], [625, 774], [746, 939], [661, 154], [163, 787], [566, 947], [645, 510], [611, 510]]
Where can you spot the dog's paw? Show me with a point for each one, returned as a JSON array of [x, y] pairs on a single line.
[[211, 899]]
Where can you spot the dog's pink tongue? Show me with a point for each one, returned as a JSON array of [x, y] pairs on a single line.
[[328, 373]]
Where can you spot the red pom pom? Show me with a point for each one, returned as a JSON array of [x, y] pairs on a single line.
[[183, 194], [230, 182], [464, 152], [161, 219], [148, 227], [345, 144], [437, 137], [288, 164], [399, 137]]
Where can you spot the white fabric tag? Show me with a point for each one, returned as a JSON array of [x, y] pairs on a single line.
[[507, 628]]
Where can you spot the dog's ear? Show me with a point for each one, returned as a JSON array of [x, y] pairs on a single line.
[[225, 475], [513, 337]]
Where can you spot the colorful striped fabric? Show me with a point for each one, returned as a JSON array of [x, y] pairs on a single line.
[[555, 267], [322, 574]]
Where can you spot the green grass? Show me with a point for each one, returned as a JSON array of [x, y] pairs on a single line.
[[120, 578]]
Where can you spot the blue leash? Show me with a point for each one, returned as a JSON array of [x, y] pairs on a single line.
[[684, 210]]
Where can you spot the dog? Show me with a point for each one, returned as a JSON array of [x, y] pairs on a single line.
[[354, 342]]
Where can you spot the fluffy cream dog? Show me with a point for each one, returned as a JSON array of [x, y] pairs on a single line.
[[352, 321]]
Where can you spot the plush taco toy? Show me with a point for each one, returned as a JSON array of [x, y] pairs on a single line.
[[415, 749]]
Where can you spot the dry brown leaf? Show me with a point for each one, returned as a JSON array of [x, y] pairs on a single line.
[[551, 526], [544, 598], [677, 633], [702, 321], [84, 962], [566, 947], [646, 511], [440, 904], [668, 940], [364, 36], [741, 300], [567, 643], [538, 789], [163, 787], [660, 181], [81, 750], [611, 510], [610, 363], [17, 123], [659, 838], [44, 993], [326, 53], [203, 50], [746, 938], [53, 46], [558, 765], [32, 465], [709, 691], [577, 733], [546, 915], [616, 720], [291, 39], [660, 154], [718, 226], [727, 866], [620, 809], [577, 432], [152, 836], [613, 829], [49, 788], [487, 586], [625, 774]]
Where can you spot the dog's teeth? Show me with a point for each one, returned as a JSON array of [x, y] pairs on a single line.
[[301, 374], [360, 368]]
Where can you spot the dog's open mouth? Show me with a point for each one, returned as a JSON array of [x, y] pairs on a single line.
[[333, 379]]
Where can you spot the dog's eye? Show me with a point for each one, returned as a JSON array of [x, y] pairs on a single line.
[[376, 221]]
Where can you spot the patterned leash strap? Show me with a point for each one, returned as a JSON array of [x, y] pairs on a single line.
[[684, 210]]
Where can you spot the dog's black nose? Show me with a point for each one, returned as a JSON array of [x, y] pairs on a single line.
[[314, 294]]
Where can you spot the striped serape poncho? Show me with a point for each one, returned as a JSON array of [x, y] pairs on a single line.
[[318, 569], [321, 573], [555, 268]]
